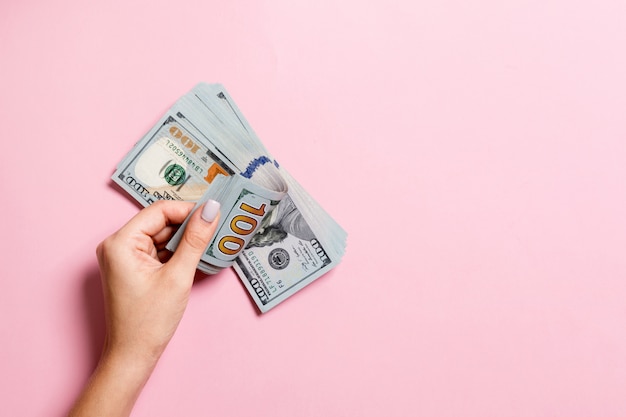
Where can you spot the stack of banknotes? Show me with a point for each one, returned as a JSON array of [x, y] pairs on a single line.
[[274, 234]]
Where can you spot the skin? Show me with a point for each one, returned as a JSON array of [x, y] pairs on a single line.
[[146, 290]]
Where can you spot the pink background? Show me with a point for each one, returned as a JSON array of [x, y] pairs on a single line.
[[474, 151]]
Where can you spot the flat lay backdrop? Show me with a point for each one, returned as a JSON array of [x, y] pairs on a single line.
[[474, 151]]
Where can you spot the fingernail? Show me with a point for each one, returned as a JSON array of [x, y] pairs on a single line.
[[210, 210]]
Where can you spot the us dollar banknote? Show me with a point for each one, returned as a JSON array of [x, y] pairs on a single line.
[[275, 235], [172, 163], [282, 257], [244, 207]]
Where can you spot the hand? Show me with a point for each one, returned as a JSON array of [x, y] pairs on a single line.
[[146, 290], [145, 298]]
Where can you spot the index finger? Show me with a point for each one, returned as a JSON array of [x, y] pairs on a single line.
[[160, 214]]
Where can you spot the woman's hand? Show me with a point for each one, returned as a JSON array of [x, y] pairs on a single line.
[[146, 289]]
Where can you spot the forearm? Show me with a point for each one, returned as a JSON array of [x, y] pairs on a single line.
[[114, 386]]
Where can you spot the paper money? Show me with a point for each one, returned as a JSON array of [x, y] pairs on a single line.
[[282, 257], [274, 234], [244, 206], [170, 164]]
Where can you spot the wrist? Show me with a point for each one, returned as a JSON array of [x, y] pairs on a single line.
[[132, 361], [115, 384]]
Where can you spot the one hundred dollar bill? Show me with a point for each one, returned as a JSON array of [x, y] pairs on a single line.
[[283, 256], [274, 234], [173, 163], [244, 205]]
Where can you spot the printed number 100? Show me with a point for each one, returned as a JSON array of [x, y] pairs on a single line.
[[241, 225]]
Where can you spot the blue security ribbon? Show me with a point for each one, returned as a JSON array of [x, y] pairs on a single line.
[[254, 164]]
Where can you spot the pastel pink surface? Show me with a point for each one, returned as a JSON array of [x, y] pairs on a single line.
[[474, 152]]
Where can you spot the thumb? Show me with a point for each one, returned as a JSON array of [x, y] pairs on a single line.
[[198, 233]]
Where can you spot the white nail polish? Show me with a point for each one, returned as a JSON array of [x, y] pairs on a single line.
[[210, 210]]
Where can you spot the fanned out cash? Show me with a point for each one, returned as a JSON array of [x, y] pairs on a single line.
[[274, 234]]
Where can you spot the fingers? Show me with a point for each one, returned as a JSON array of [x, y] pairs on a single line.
[[164, 255], [198, 233], [158, 216], [161, 238]]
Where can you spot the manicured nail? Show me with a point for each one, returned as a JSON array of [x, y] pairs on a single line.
[[210, 210]]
